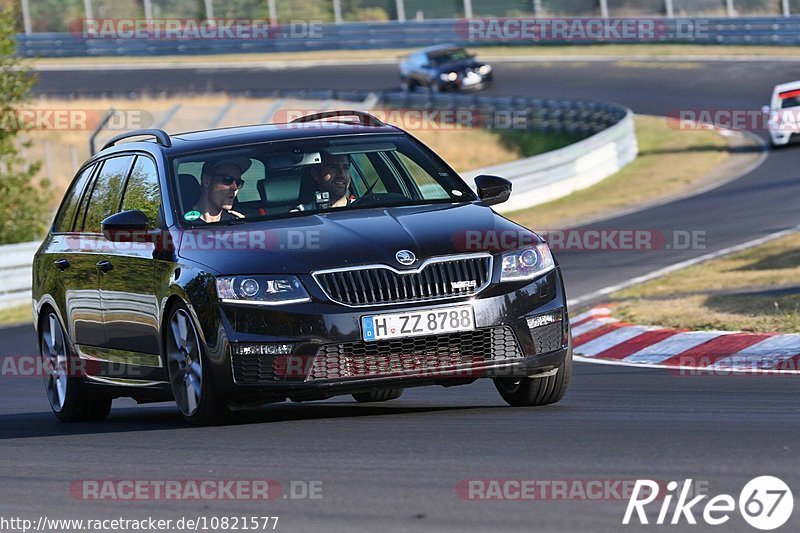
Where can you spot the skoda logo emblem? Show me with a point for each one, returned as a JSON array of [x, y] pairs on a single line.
[[405, 257]]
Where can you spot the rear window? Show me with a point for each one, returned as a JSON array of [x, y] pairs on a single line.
[[66, 215]]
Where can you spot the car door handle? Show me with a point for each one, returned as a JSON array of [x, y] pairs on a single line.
[[61, 264], [105, 266]]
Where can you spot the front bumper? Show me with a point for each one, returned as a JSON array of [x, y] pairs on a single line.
[[782, 137], [328, 356]]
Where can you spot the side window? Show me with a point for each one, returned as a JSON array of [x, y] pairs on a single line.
[[429, 188], [105, 195], [142, 191], [69, 206], [369, 173]]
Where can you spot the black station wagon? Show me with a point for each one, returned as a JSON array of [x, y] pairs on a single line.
[[335, 255]]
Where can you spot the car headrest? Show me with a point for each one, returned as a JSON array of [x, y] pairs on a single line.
[[190, 190], [281, 188]]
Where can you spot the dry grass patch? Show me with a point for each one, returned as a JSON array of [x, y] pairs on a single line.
[[775, 264], [755, 290], [17, 315]]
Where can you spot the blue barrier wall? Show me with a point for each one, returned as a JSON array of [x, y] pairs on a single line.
[[360, 36]]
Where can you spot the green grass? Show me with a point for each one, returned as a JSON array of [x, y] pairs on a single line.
[[532, 143], [14, 316]]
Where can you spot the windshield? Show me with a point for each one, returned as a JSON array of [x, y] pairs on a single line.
[[449, 56], [294, 178]]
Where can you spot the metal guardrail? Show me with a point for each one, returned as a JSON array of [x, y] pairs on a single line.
[[561, 172], [362, 35], [609, 143], [16, 272]]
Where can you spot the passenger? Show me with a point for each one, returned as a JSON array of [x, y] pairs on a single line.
[[221, 182]]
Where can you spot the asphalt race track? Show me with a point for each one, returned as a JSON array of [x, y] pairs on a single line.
[[395, 466]]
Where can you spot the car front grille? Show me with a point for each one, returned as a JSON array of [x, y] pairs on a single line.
[[415, 355], [438, 279]]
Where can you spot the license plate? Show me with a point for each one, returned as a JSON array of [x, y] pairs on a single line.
[[417, 323], [471, 79]]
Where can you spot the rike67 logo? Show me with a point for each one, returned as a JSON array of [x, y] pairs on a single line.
[[766, 503]]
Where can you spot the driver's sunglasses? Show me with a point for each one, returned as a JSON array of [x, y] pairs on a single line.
[[230, 180]]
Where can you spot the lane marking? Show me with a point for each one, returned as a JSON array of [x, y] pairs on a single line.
[[768, 353], [611, 339], [708, 353], [678, 343], [678, 368], [621, 351], [591, 325]]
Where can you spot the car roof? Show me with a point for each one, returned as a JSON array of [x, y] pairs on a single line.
[[790, 86], [441, 48], [195, 141]]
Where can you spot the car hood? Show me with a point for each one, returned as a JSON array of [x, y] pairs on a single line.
[[301, 245]]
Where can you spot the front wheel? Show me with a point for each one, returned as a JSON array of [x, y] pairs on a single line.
[[191, 385], [527, 392], [68, 397]]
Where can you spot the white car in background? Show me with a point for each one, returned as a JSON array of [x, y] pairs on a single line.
[[784, 113]]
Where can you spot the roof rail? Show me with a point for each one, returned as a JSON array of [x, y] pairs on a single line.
[[365, 119], [162, 137]]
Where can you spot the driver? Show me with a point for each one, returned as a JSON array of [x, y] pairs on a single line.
[[332, 178]]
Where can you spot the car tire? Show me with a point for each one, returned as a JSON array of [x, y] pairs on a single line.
[[380, 395], [528, 392], [68, 395], [187, 365]]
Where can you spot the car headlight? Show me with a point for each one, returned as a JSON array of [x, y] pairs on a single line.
[[527, 263], [449, 76], [484, 70], [261, 290]]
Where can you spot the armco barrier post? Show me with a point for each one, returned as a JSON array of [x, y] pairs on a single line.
[[401, 10]]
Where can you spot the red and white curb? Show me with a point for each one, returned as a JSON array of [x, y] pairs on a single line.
[[598, 337]]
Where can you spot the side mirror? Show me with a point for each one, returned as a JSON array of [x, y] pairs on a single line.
[[493, 190], [127, 226], [766, 110]]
